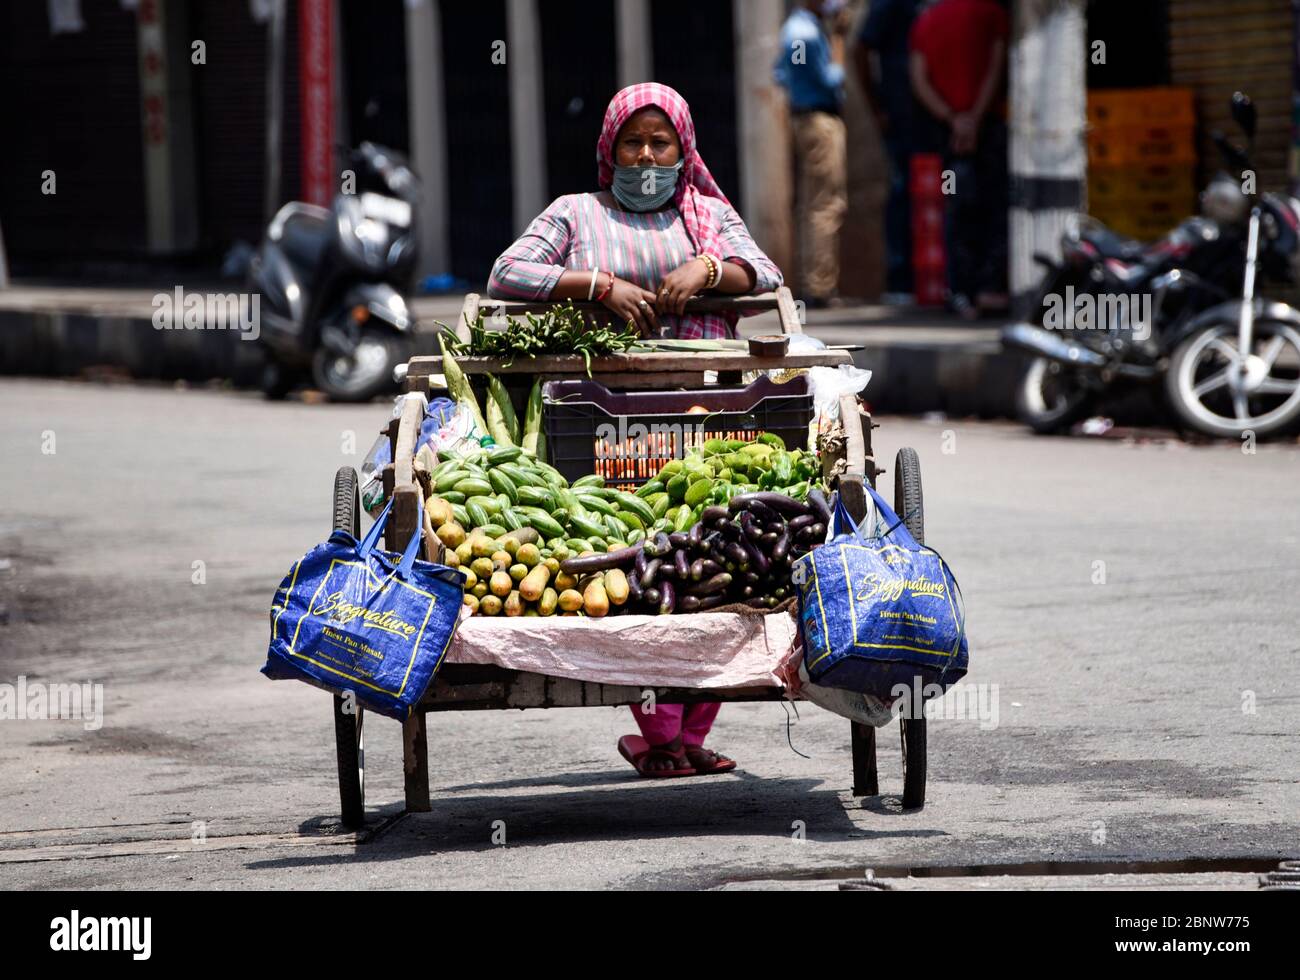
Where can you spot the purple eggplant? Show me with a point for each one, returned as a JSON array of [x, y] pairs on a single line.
[[778, 502], [812, 534], [711, 515], [781, 548], [683, 566], [709, 602], [651, 570], [736, 552], [578, 567], [719, 583], [695, 539], [757, 560], [689, 604], [679, 539], [797, 524], [667, 599]]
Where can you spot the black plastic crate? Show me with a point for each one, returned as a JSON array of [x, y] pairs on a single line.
[[628, 436]]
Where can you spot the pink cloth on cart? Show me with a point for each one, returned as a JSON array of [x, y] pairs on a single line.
[[709, 651]]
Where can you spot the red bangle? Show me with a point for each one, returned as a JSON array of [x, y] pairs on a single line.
[[609, 287]]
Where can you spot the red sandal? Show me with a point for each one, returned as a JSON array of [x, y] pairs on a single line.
[[720, 762], [637, 750]]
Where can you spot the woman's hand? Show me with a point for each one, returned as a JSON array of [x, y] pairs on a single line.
[[680, 285], [629, 302]]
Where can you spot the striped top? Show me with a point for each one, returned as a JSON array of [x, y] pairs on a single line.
[[589, 231]]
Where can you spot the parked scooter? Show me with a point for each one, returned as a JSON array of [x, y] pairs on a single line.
[[332, 282], [1189, 310]]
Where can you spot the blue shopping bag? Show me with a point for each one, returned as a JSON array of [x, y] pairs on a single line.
[[350, 617], [879, 612]]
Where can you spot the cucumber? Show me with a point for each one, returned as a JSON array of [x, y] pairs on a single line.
[[578, 545], [544, 524], [521, 476], [536, 497], [589, 481], [549, 473], [685, 518], [494, 530], [478, 517], [630, 521], [461, 515], [452, 497], [489, 504], [632, 504], [511, 520], [473, 487], [678, 486], [586, 526], [661, 505], [503, 454], [591, 502], [448, 480], [502, 483], [615, 526], [646, 489]]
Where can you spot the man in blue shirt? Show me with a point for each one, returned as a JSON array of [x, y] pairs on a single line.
[[881, 57], [810, 67]]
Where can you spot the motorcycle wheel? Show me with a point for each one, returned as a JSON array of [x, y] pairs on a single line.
[[1050, 397], [365, 373], [1203, 387]]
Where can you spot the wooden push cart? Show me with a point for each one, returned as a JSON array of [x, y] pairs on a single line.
[[848, 464]]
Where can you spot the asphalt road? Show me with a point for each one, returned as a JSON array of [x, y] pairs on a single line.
[[1147, 708]]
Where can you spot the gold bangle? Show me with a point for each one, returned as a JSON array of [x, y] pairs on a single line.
[[715, 270]]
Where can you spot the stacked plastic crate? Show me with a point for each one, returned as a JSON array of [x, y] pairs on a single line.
[[1141, 159], [929, 265]]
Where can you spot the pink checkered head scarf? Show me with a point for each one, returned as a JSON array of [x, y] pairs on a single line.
[[694, 182]]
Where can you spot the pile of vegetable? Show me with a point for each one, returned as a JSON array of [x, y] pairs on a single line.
[[742, 552], [532, 544], [560, 330]]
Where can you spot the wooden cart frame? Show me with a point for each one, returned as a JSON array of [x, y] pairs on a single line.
[[849, 464]]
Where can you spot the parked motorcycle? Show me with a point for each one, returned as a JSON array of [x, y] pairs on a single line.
[[332, 282], [1229, 359]]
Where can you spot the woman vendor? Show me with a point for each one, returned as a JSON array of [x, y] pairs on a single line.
[[658, 232]]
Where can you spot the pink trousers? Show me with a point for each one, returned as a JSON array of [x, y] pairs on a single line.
[[691, 721]]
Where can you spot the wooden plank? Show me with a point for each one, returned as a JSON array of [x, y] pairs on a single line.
[[634, 364], [789, 310], [408, 434], [415, 763]]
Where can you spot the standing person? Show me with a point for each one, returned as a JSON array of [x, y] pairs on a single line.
[[810, 67], [881, 57], [958, 67]]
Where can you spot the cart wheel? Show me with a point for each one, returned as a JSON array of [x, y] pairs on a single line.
[[909, 503], [348, 735]]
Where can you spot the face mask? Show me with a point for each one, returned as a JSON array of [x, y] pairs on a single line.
[[645, 188]]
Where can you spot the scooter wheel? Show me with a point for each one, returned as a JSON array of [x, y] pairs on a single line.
[[367, 373]]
